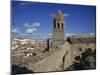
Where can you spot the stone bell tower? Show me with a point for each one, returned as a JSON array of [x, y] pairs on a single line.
[[59, 35]]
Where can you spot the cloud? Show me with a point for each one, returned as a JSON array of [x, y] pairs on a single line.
[[40, 34], [26, 24], [23, 34], [31, 30], [79, 34], [70, 34], [15, 30], [64, 14], [34, 24], [23, 3], [91, 34], [49, 34]]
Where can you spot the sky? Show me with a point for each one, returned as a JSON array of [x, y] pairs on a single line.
[[35, 20]]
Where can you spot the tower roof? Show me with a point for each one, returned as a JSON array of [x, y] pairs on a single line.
[[59, 15]]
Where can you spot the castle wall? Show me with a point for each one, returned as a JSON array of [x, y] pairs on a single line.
[[76, 48], [75, 51], [55, 62], [60, 59]]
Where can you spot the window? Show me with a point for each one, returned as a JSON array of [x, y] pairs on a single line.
[[62, 25], [54, 23], [80, 49], [58, 25]]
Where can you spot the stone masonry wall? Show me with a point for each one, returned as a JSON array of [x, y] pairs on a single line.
[[55, 62], [61, 59]]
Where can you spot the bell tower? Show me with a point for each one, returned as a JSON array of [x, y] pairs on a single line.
[[59, 35]]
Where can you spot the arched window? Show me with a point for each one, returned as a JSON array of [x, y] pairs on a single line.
[[62, 25], [80, 49], [58, 25], [54, 23]]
